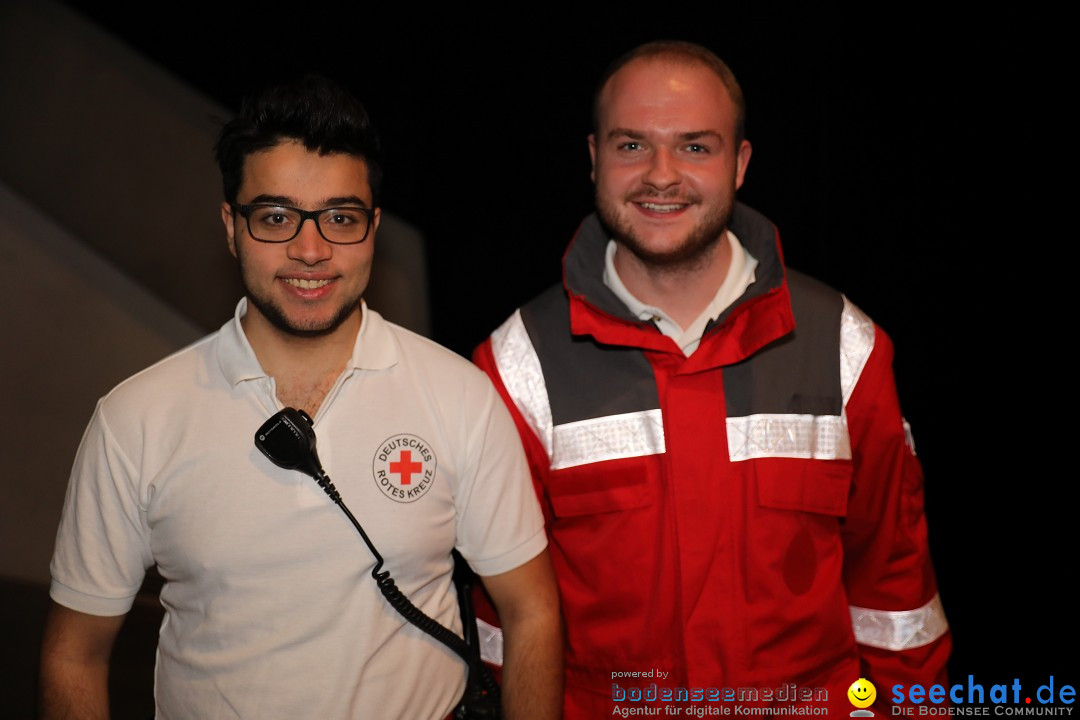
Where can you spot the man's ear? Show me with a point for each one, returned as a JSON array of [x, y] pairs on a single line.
[[592, 156], [742, 159], [230, 226]]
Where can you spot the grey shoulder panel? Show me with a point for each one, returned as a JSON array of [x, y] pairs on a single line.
[[594, 380], [799, 373]]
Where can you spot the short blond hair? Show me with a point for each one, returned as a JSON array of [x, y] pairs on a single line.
[[678, 51]]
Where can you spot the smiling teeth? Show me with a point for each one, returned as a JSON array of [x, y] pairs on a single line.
[[657, 207], [307, 284]]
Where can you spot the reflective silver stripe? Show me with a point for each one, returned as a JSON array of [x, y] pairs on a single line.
[[909, 438], [491, 642], [520, 370], [608, 438], [899, 629], [824, 437], [856, 344]]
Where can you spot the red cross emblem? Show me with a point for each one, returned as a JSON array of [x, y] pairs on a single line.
[[405, 467]]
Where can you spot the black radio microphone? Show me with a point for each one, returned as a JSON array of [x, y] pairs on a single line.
[[288, 440]]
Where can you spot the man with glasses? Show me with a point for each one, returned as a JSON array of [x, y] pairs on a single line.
[[271, 610]]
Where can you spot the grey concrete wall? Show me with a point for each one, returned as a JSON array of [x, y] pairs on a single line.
[[118, 152], [74, 325]]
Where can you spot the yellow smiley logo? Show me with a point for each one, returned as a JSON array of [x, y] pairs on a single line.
[[862, 693]]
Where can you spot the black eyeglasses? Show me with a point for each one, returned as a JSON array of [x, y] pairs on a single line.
[[278, 223]]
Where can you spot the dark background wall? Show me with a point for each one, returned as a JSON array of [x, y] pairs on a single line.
[[907, 160]]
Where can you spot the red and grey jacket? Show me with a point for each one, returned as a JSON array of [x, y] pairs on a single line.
[[748, 517]]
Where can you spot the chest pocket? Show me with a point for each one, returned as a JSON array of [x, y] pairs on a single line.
[[812, 486], [608, 487], [793, 528]]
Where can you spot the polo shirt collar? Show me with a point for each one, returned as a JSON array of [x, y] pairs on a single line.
[[739, 276], [375, 347]]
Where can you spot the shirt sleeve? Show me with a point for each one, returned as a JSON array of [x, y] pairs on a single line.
[[897, 615], [501, 526], [102, 546]]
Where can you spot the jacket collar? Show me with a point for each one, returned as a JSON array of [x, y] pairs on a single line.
[[760, 316]]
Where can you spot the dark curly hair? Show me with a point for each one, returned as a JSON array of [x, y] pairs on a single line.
[[315, 111]]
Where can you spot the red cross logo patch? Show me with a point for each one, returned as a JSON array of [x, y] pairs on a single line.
[[404, 467]]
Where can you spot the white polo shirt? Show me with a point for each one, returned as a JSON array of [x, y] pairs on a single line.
[[271, 610]]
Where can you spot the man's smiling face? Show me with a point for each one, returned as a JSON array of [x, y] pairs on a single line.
[[306, 286], [665, 161]]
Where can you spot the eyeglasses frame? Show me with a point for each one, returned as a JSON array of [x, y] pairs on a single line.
[[245, 211]]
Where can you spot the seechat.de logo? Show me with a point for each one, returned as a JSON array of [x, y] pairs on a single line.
[[966, 699]]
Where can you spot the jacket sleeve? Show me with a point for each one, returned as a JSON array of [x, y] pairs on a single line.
[[896, 613]]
